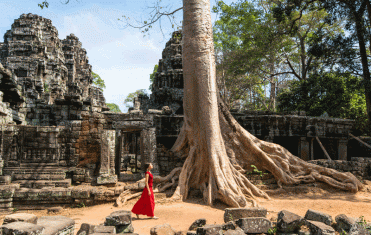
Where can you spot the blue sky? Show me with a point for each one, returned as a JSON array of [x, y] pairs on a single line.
[[121, 56]]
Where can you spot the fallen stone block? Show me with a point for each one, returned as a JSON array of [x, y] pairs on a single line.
[[288, 222], [209, 229], [231, 225], [86, 229], [238, 213], [197, 223], [20, 217], [55, 225], [21, 228], [318, 216], [104, 229], [121, 217], [345, 224], [319, 228], [237, 231], [254, 225], [162, 229], [124, 229]]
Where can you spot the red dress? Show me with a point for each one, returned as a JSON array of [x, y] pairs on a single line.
[[146, 204]]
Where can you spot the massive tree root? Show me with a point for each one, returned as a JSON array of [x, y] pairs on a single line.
[[224, 177]]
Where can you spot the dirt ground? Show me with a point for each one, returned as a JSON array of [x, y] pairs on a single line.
[[180, 215]]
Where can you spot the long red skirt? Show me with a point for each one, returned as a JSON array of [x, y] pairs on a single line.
[[146, 204]]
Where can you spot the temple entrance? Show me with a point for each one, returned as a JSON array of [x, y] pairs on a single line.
[[129, 159]]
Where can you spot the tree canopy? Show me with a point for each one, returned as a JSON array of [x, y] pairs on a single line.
[[98, 81]]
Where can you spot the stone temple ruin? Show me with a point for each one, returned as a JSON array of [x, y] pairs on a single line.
[[57, 133]]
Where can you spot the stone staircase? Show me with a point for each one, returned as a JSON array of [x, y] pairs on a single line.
[[38, 175]]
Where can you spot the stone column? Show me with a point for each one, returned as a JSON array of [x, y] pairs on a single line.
[[342, 149], [107, 158], [303, 148], [148, 137]]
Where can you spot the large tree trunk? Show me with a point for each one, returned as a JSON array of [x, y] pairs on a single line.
[[218, 150]]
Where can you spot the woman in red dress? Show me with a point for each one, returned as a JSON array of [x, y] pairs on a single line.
[[146, 204]]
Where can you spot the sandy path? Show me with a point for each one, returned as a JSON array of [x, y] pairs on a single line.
[[180, 215]]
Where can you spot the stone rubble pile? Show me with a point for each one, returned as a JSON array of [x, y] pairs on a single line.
[[29, 224], [237, 221]]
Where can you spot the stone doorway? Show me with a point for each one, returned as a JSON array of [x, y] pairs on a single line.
[[128, 162]]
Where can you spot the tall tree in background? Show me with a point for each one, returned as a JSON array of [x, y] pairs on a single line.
[[152, 76], [357, 21], [253, 47], [129, 100]]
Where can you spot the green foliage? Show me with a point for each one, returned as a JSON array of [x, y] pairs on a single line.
[[113, 107], [98, 81], [43, 4], [272, 231], [256, 171], [80, 205], [363, 222], [341, 95], [129, 100], [152, 76]]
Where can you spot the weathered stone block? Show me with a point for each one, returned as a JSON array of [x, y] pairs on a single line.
[[121, 217], [231, 225], [55, 225], [254, 225], [124, 229], [319, 228], [237, 231], [5, 179], [347, 225], [20, 217], [86, 229], [344, 223], [209, 229], [237, 213], [318, 216], [289, 222], [197, 223], [162, 229], [80, 193], [104, 229], [21, 228], [107, 179]]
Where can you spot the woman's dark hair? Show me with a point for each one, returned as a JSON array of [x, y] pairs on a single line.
[[146, 165]]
